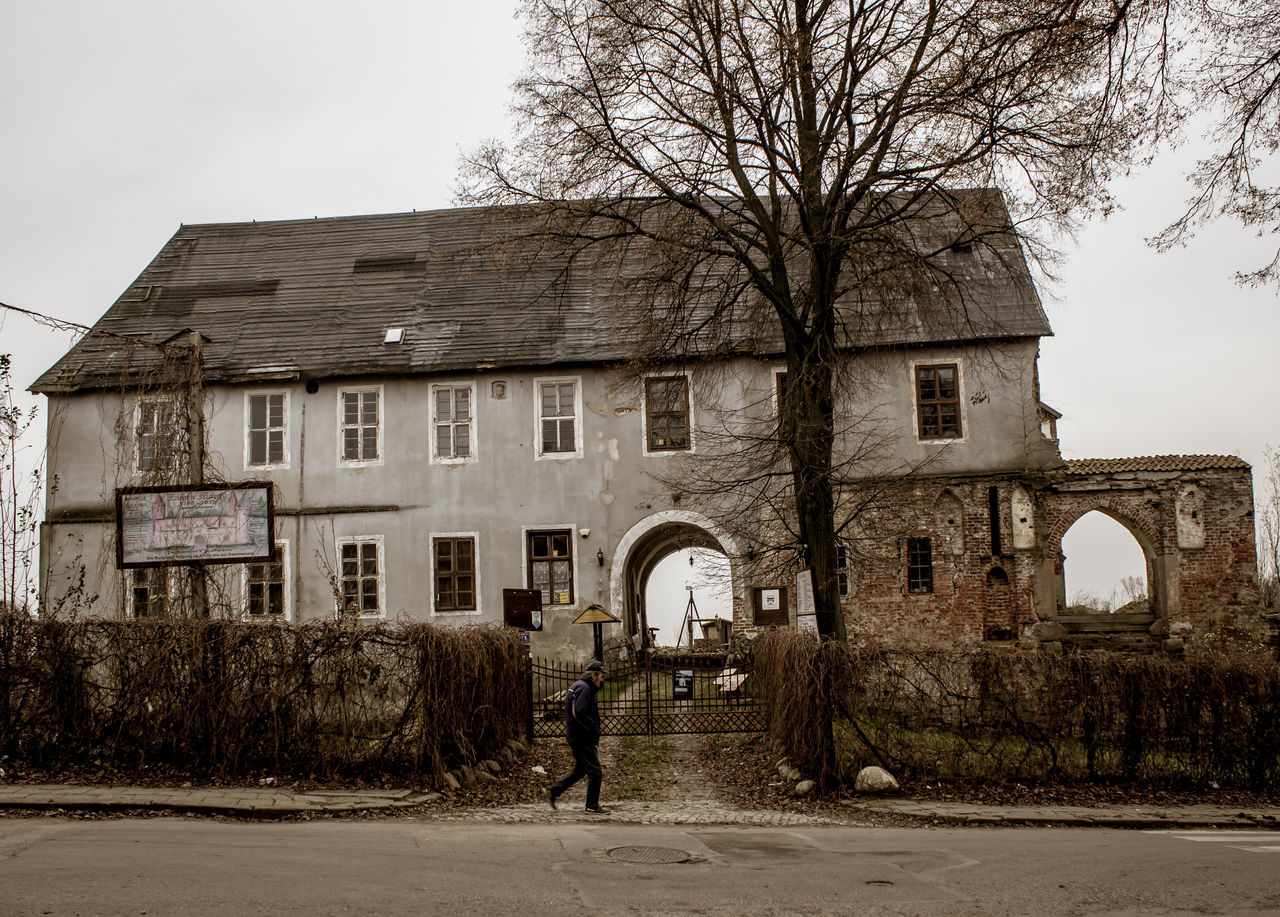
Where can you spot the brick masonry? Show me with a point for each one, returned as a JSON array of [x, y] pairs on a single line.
[[1191, 515]]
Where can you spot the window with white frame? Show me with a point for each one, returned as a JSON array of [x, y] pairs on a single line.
[[558, 417], [360, 576], [454, 568], [156, 438], [550, 559], [842, 569], [453, 420], [360, 425], [666, 413], [266, 587], [265, 439], [148, 592]]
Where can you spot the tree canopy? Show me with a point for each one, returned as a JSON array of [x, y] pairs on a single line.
[[774, 155]]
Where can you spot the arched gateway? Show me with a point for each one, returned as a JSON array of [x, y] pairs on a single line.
[[647, 543]]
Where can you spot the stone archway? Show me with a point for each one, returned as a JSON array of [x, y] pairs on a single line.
[[1150, 546], [648, 542]]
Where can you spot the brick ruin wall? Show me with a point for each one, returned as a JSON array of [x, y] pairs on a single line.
[[1195, 527]]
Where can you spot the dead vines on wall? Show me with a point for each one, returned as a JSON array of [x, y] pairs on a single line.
[[980, 715], [224, 699]]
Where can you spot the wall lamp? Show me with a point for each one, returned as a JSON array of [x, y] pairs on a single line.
[[600, 557]]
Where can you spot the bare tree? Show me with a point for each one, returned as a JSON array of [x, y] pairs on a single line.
[[775, 161], [1268, 515], [20, 482], [1229, 69]]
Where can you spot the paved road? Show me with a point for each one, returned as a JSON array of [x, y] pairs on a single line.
[[161, 866]]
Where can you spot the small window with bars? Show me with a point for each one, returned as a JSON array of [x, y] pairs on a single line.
[[551, 565], [455, 574], [266, 433], [361, 577], [361, 425], [451, 410], [938, 401], [265, 587], [919, 566]]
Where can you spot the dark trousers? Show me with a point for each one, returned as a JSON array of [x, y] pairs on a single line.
[[586, 763]]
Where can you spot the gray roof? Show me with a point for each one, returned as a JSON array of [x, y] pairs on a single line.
[[472, 288]]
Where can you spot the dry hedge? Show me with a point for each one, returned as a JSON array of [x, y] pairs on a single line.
[[949, 714], [224, 699]]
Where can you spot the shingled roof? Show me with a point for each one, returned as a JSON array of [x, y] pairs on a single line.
[[1154, 463], [475, 288]]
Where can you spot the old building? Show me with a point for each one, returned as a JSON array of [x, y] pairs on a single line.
[[444, 406]]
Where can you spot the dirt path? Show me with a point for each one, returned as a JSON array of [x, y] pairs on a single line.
[[659, 768]]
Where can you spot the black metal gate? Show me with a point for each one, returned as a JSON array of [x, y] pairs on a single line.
[[657, 695]]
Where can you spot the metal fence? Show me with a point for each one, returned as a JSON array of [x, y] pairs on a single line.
[[656, 695]]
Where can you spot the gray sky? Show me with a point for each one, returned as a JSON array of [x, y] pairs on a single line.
[[123, 120]]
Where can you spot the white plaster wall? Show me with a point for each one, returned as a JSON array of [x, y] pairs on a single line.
[[404, 498]]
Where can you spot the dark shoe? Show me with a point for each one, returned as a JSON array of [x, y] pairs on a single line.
[[550, 795], [597, 810]]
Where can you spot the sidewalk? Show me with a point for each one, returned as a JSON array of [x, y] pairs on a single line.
[[280, 802], [248, 802]]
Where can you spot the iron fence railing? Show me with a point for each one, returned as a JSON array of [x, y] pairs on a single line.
[[656, 695]]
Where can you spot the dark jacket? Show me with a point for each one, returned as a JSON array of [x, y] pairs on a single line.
[[581, 716]]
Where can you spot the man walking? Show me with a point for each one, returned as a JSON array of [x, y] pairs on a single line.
[[582, 727]]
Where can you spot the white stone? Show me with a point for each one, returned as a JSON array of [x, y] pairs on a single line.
[[804, 787], [875, 780]]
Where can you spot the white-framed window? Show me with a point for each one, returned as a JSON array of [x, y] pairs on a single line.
[[360, 426], [156, 434], [147, 592], [549, 564], [668, 415], [266, 587], [559, 418], [266, 440], [455, 574], [937, 396], [361, 579], [453, 423]]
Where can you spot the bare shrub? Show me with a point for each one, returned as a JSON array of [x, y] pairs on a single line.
[[223, 699], [980, 715]]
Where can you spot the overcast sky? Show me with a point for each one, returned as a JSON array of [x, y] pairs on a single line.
[[123, 120]]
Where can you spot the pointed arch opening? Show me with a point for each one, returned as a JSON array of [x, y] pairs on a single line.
[[1105, 565]]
